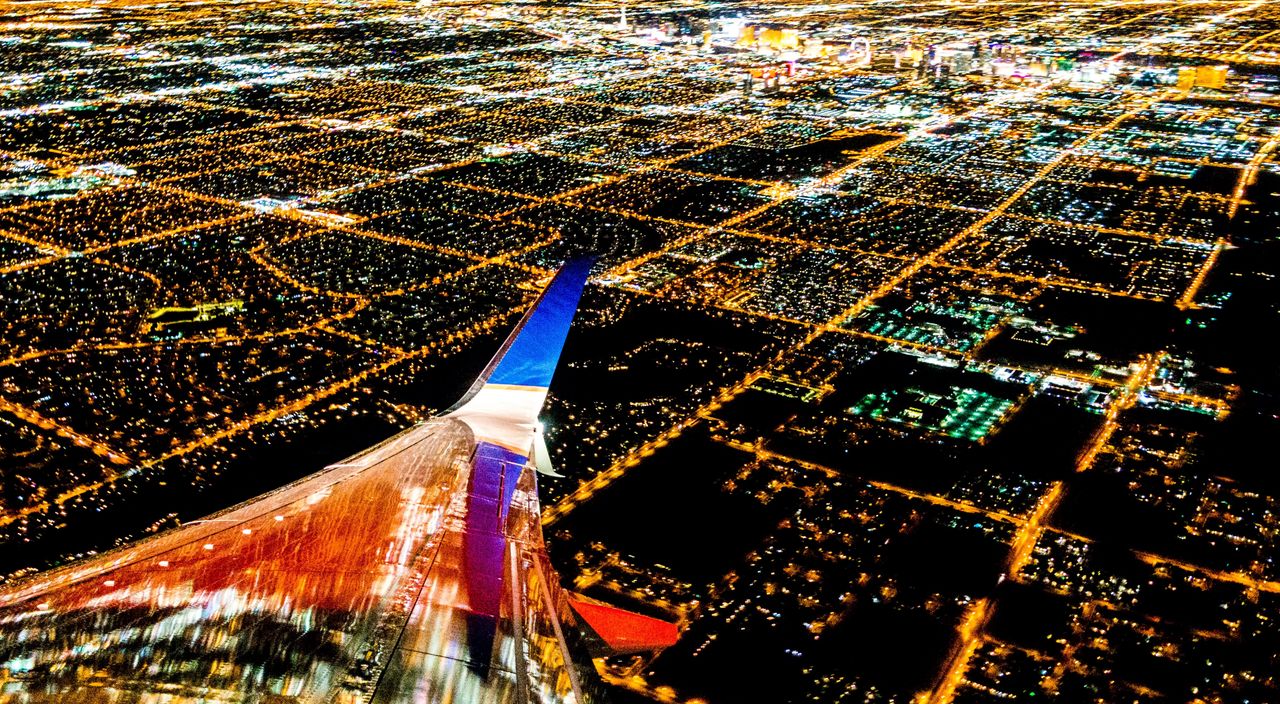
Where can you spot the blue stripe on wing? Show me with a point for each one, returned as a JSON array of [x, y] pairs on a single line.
[[530, 359]]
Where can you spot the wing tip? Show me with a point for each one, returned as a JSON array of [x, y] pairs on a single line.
[[529, 355]]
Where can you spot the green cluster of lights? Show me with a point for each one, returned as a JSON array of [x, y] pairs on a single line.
[[970, 414], [974, 415], [972, 322]]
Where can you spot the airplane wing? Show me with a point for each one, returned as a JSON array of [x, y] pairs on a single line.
[[412, 572]]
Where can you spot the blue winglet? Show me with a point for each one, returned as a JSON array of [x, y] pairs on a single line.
[[529, 356]]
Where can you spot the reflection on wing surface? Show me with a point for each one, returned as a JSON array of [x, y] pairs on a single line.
[[347, 586]]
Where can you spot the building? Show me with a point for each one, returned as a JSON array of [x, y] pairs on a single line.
[[1211, 76]]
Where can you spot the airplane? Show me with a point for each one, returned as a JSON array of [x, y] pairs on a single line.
[[414, 571]]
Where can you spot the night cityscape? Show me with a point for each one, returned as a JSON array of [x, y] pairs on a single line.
[[922, 358]]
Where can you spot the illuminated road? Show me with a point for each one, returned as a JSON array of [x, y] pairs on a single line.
[[632, 458], [969, 634], [239, 426]]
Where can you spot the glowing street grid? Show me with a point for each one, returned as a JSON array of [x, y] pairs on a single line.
[[924, 360]]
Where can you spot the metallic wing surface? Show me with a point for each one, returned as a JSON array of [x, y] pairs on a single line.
[[412, 572]]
